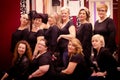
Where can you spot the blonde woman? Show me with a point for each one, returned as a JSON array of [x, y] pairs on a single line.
[[21, 32], [52, 33], [105, 65], [106, 27], [76, 68], [67, 30]]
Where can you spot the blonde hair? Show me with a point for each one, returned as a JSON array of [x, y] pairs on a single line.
[[54, 18], [100, 38], [86, 11], [77, 44], [102, 5], [65, 8], [25, 15]]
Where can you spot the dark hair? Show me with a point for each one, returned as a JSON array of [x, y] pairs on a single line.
[[38, 15]]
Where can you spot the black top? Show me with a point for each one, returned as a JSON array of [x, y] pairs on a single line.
[[81, 71], [17, 36], [32, 38], [106, 62], [62, 44], [19, 69], [51, 36], [107, 29], [84, 34], [44, 59]]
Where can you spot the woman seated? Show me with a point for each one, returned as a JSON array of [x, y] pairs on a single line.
[[40, 65], [20, 63], [105, 66], [77, 68]]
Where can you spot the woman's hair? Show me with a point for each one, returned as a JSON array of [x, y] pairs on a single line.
[[87, 12], [100, 38], [54, 18], [28, 51], [65, 8], [102, 5], [38, 15], [77, 44], [25, 15]]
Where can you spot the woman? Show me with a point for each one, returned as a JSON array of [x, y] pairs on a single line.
[[105, 66], [67, 31], [21, 32], [36, 31], [40, 65], [106, 27], [52, 33], [76, 68], [20, 63], [84, 31]]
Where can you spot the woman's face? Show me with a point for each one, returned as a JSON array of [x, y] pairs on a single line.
[[41, 45], [102, 12], [51, 20], [24, 20], [64, 15], [96, 43], [71, 48], [37, 22], [82, 15], [21, 48]]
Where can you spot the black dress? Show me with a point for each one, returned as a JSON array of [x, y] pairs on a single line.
[[84, 34], [62, 44], [17, 36], [32, 38], [107, 29]]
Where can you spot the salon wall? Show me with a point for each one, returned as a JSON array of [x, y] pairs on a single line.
[[9, 21]]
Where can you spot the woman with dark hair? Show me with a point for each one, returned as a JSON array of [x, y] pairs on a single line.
[[37, 30], [84, 32], [20, 63]]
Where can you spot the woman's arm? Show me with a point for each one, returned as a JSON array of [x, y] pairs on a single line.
[[70, 69], [4, 76], [40, 72], [69, 36]]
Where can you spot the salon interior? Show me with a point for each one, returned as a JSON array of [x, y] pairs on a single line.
[[11, 11]]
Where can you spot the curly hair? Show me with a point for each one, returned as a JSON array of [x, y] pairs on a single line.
[[28, 51]]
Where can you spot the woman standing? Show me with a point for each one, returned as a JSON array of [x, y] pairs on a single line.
[[52, 33], [84, 31], [37, 30], [21, 32], [67, 31], [106, 27]]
